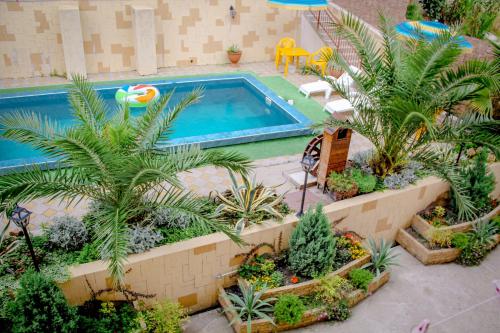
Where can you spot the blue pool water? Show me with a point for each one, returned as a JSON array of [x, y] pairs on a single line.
[[234, 109]]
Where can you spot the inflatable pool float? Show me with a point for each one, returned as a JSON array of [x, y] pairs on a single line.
[[137, 96]]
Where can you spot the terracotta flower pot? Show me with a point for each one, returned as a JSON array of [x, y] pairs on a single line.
[[234, 57], [341, 195]]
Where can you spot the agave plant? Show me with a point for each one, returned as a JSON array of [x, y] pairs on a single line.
[[483, 232], [250, 305], [410, 100], [247, 199], [110, 157], [381, 256]]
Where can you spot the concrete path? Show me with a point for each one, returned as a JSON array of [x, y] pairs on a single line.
[[455, 299]]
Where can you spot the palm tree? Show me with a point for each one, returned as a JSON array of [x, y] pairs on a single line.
[[112, 161], [407, 98]]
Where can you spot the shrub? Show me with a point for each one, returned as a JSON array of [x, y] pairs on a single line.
[[366, 182], [142, 239], [67, 233], [361, 278], [339, 312], [483, 232], [433, 8], [88, 253], [289, 309], [496, 223], [107, 317], [40, 306], [472, 254], [332, 289], [404, 177], [478, 183], [414, 11], [342, 184], [459, 240], [439, 237], [312, 247], [166, 217], [166, 316]]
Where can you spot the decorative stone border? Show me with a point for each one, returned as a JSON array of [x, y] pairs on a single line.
[[425, 255], [423, 227], [310, 317], [306, 287]]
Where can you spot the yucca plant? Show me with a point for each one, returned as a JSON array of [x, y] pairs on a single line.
[[111, 158], [381, 256], [247, 199], [408, 98], [483, 232], [251, 305]]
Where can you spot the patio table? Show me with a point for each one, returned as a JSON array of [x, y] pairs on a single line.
[[296, 52]]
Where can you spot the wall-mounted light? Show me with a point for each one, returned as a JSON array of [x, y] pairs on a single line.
[[232, 12]]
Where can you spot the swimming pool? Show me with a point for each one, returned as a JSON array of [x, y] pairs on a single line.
[[234, 109]]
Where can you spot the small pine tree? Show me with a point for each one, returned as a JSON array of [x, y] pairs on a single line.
[[312, 246], [41, 307], [478, 182]]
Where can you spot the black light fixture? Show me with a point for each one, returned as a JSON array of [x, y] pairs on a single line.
[[21, 218], [307, 163], [232, 12]]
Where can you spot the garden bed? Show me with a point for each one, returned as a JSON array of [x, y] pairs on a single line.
[[424, 254], [310, 317], [306, 287], [425, 228]]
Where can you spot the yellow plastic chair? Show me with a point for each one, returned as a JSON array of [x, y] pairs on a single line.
[[284, 43], [318, 58]]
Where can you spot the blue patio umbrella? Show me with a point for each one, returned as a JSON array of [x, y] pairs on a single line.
[[428, 30]]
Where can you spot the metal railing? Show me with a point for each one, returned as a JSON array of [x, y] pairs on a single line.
[[324, 22]]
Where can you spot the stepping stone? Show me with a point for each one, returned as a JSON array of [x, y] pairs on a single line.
[[297, 179]]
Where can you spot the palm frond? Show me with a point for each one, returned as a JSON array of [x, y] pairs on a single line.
[[87, 105]]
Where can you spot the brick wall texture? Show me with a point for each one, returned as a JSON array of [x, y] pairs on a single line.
[[195, 32]]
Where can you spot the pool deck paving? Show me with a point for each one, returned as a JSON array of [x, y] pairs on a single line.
[[271, 171], [453, 298]]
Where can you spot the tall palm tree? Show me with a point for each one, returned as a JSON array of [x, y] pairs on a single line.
[[113, 161], [407, 98]]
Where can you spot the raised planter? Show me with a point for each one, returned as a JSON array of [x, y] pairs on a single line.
[[423, 227], [310, 317], [422, 253], [306, 287]]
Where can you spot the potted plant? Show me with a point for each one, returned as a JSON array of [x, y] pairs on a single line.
[[341, 186], [234, 53]]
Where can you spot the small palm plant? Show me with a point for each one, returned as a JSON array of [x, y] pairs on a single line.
[[409, 97], [381, 256], [483, 232], [248, 199], [111, 158], [250, 305]]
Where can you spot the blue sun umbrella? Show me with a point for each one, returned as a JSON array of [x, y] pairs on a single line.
[[299, 4], [429, 31]]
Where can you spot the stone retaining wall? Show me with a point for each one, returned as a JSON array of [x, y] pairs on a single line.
[[188, 271]]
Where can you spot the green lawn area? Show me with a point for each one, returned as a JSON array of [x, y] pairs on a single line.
[[254, 150]]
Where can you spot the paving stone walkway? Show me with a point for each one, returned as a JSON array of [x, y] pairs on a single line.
[[455, 299]]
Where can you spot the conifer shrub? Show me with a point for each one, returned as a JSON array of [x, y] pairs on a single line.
[[40, 306], [312, 246]]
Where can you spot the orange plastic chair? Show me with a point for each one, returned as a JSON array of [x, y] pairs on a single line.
[[284, 43], [318, 58]]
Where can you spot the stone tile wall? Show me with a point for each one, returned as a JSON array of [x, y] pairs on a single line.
[[194, 32], [187, 271]]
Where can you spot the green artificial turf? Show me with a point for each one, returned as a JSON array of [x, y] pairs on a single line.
[[254, 150]]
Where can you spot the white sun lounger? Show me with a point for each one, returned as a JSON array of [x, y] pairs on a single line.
[[316, 87], [322, 86], [338, 106]]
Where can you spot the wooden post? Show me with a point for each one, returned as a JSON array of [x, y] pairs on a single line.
[[334, 151], [319, 14]]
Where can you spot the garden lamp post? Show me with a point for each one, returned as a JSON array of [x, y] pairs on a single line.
[[307, 163], [21, 218]]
